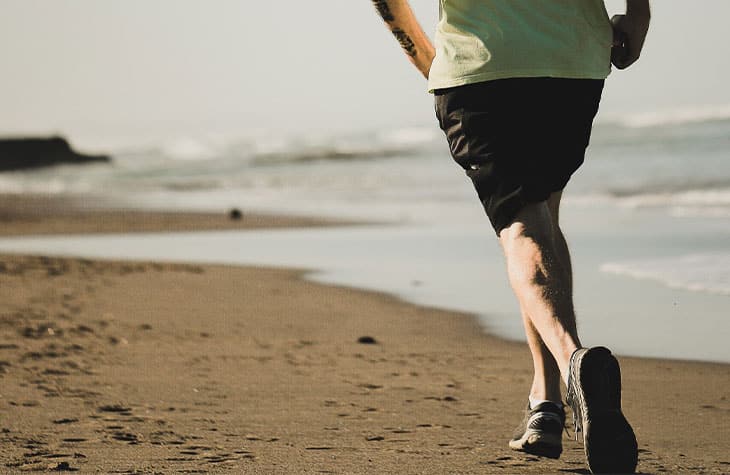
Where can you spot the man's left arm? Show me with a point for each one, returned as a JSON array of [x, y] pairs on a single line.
[[630, 32]]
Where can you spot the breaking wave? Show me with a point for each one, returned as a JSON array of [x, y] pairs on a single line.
[[396, 143], [687, 115]]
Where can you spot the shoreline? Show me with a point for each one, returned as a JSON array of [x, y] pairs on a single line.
[[120, 365], [420, 264]]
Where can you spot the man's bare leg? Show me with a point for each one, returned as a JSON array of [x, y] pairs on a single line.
[[546, 376], [538, 265], [539, 269], [546, 379]]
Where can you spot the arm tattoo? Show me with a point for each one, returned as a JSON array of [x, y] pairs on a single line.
[[405, 42], [384, 10]]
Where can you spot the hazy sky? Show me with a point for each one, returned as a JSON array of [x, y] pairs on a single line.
[[192, 65]]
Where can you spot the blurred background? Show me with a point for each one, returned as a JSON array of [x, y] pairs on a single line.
[[311, 108]]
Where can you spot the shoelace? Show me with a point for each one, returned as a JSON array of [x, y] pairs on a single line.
[[577, 425], [577, 418]]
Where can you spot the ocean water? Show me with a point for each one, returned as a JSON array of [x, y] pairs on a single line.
[[647, 216]]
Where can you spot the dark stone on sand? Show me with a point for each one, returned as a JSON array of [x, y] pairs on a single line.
[[367, 340], [235, 214], [62, 467], [35, 152]]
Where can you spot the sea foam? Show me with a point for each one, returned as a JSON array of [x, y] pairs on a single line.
[[695, 272]]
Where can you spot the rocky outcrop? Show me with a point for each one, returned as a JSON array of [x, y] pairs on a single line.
[[22, 153]]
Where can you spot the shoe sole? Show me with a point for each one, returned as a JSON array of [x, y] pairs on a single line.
[[538, 443], [609, 441]]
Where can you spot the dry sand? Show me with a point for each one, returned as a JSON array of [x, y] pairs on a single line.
[[121, 367]]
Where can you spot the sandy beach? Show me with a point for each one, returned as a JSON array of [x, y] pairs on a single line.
[[141, 367]]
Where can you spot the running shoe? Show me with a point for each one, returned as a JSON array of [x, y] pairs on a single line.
[[594, 394], [541, 430]]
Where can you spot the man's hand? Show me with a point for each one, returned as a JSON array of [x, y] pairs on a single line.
[[629, 33], [401, 21]]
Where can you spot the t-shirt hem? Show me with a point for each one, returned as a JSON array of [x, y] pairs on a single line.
[[495, 75]]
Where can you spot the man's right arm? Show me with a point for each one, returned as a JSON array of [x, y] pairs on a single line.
[[630, 32], [401, 21]]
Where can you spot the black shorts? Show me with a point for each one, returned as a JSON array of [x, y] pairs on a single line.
[[518, 139]]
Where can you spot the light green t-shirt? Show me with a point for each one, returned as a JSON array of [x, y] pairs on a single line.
[[483, 40]]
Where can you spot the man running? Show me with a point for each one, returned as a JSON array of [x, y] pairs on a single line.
[[517, 84]]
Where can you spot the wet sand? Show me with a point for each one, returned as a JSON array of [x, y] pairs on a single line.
[[124, 367], [44, 214]]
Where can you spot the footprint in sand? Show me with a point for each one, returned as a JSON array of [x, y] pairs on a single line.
[[209, 455], [116, 408], [132, 439], [65, 420], [74, 440]]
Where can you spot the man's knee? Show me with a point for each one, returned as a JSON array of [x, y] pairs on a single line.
[[528, 244], [527, 257], [534, 223]]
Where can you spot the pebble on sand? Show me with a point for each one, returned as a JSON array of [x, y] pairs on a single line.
[[367, 340], [235, 214]]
